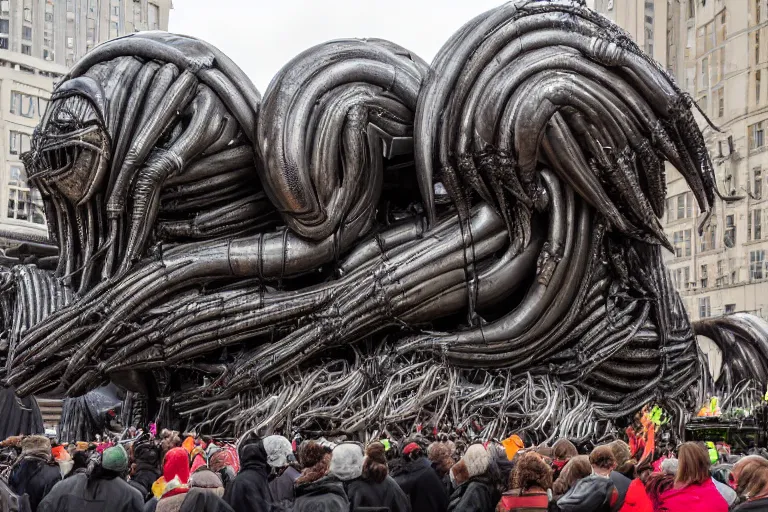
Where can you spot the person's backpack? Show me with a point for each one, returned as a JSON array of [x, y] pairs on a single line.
[[12, 502], [590, 494]]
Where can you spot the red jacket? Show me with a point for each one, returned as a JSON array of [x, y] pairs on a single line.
[[701, 498], [637, 499], [527, 502]]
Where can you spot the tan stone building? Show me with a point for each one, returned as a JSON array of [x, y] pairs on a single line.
[[39, 40], [718, 51]]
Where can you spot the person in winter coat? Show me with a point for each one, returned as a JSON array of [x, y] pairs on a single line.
[[316, 491], [738, 468], [671, 466], [249, 492], [80, 464], [596, 492], [577, 468], [282, 473], [205, 493], [693, 488], [531, 483], [753, 485], [207, 481], [174, 482], [221, 461], [145, 469], [375, 489], [101, 489], [440, 454], [419, 481], [475, 489], [637, 499], [562, 451], [34, 473]]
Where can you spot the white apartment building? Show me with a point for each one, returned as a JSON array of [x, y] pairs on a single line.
[[39, 41], [718, 52]]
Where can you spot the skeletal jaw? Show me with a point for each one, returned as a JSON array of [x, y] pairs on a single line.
[[71, 150]]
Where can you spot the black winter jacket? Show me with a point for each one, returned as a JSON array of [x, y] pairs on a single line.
[[590, 494], [281, 486], [422, 486], [753, 506], [249, 491], [477, 494], [199, 500], [324, 495], [35, 477], [95, 494], [143, 479], [385, 495]]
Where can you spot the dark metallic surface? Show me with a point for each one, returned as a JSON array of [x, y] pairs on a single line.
[[377, 242]]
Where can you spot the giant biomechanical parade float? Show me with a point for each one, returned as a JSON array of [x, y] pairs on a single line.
[[376, 242]]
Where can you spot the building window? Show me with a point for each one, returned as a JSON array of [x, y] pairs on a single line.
[[4, 43], [153, 16], [25, 204], [26, 33], [26, 105], [5, 8], [682, 243], [90, 33], [5, 27], [691, 9], [137, 17], [757, 46], [682, 277], [704, 307], [758, 85], [756, 265], [680, 207], [730, 231], [757, 183], [710, 35], [704, 276], [18, 142], [758, 12], [720, 102], [704, 82], [722, 30], [756, 135], [757, 228], [18, 194], [708, 239], [720, 268], [26, 49], [28, 11], [730, 308], [113, 29]]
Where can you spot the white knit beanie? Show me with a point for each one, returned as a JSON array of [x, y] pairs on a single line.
[[346, 461], [477, 459]]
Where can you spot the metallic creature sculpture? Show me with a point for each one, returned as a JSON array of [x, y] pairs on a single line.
[[375, 243]]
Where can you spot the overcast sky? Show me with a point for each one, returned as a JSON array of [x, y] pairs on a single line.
[[263, 35]]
